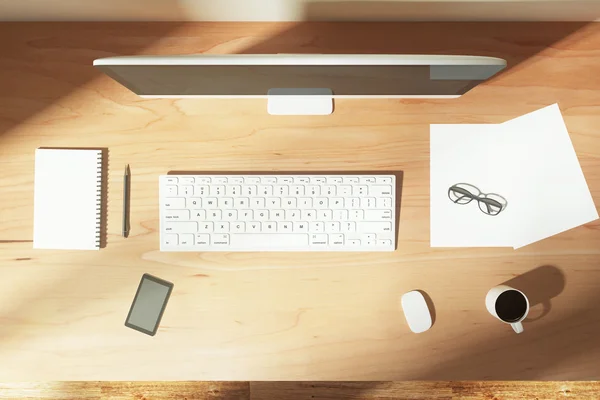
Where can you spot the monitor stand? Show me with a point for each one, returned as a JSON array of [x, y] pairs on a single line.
[[300, 101]]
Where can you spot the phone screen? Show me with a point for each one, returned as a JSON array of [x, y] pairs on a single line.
[[149, 304]]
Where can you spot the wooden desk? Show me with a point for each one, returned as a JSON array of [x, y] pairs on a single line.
[[246, 316]]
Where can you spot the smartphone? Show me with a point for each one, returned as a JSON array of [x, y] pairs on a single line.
[[149, 304]]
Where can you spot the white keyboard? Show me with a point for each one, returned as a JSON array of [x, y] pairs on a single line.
[[277, 212]]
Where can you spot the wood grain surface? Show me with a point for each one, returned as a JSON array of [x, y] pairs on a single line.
[[414, 390], [289, 316]]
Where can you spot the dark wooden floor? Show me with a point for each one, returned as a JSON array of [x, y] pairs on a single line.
[[299, 390]]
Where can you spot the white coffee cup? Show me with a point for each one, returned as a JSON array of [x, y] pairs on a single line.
[[509, 305]]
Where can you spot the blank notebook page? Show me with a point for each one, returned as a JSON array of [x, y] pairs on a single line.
[[67, 199]]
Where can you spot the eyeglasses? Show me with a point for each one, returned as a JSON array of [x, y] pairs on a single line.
[[489, 203]]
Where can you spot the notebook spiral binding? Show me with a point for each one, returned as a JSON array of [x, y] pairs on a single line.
[[99, 200]]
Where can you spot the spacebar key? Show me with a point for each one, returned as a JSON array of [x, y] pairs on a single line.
[[262, 241]]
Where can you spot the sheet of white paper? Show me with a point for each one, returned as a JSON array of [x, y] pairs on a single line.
[[479, 155], [551, 183]]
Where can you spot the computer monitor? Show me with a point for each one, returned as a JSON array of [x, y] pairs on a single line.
[[301, 83]]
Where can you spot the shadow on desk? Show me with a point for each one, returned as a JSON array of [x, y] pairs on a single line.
[[43, 62], [515, 42]]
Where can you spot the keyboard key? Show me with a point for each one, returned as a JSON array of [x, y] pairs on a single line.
[[335, 180], [201, 190], [268, 180], [181, 227], [352, 202], [202, 239], [222, 227], [301, 226], [233, 190], [238, 227], [186, 180], [225, 202], [261, 215], [289, 202], [304, 180], [292, 215], [297, 190], [206, 227], [367, 179], [321, 202], [360, 190], [220, 239], [246, 215], [383, 180], [353, 242], [257, 202], [374, 226], [241, 202], [201, 180], [285, 227], [171, 180], [199, 215], [214, 215], [273, 202], [318, 180], [367, 202], [281, 191], [309, 215], [325, 215], [254, 180], [384, 202], [171, 239], [357, 215], [209, 203], [344, 190], [254, 226], [378, 215], [328, 190], [348, 226], [236, 180], [230, 215], [333, 226], [287, 180], [313, 190], [275, 241], [318, 239], [340, 215], [171, 190], [249, 190], [186, 239], [270, 227], [316, 227], [217, 190], [336, 239], [265, 190], [305, 202], [350, 180], [219, 179], [194, 203], [384, 242], [277, 215], [177, 215], [380, 190], [336, 202]]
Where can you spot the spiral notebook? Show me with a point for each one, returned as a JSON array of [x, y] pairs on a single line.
[[67, 199]]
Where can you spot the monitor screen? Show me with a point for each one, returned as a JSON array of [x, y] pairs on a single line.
[[346, 76]]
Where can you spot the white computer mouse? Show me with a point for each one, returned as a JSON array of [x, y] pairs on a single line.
[[416, 312]]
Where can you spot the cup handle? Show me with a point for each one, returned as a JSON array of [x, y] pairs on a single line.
[[517, 327]]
